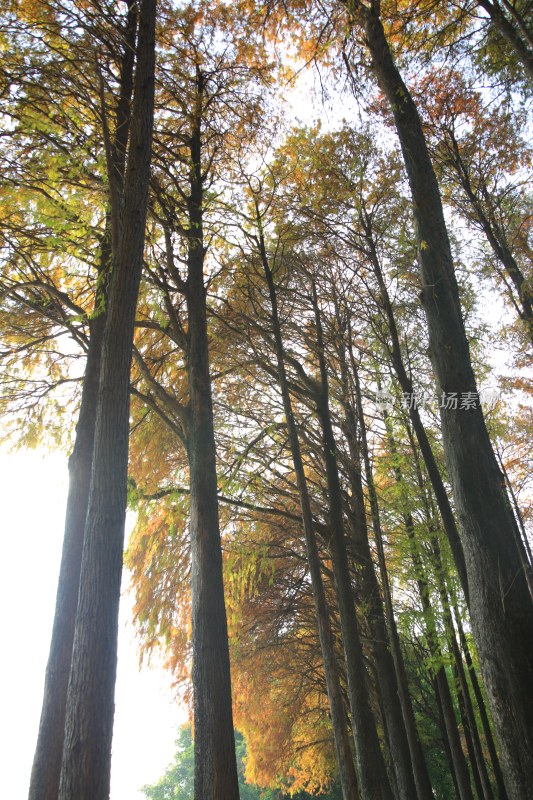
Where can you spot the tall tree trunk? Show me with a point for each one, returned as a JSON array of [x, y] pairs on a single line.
[[491, 747], [458, 763], [477, 758], [444, 738], [500, 605], [441, 495], [385, 640], [468, 736], [339, 721], [449, 588], [466, 710], [215, 765], [397, 680], [454, 750], [372, 772], [85, 773], [46, 770]]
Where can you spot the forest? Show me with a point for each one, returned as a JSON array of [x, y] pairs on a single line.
[[266, 277]]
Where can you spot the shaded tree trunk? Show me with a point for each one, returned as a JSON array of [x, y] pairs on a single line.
[[457, 761], [444, 738], [85, 772], [491, 747], [449, 589], [468, 736], [397, 677], [339, 720], [372, 772], [46, 769], [500, 606], [441, 495], [476, 755], [215, 765]]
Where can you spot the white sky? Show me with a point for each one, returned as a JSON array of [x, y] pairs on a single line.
[[32, 502]]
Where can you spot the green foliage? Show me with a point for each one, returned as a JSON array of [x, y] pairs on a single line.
[[178, 781]]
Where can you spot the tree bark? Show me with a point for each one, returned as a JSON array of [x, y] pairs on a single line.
[[500, 606], [85, 772], [46, 769], [339, 721], [396, 678], [215, 765], [373, 777]]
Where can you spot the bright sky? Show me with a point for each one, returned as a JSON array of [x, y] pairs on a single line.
[[32, 498]]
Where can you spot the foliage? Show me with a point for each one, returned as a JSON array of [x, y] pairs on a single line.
[[178, 781]]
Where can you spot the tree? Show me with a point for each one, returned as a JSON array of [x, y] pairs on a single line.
[[487, 526], [511, 22], [347, 773], [210, 81], [177, 782], [47, 761], [85, 771]]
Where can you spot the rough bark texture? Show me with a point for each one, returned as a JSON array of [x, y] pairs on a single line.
[[215, 765], [457, 761], [393, 673], [500, 605], [373, 778], [336, 703], [46, 770], [85, 773]]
